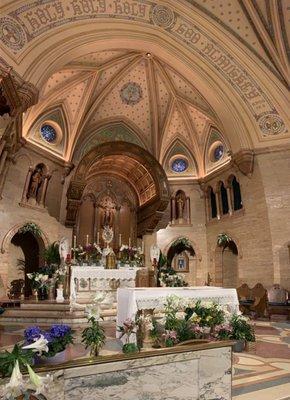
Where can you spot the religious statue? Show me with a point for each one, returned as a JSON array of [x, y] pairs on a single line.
[[35, 183], [64, 248], [109, 207], [180, 201], [154, 254]]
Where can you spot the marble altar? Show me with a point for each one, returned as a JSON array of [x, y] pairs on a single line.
[[86, 280], [131, 300], [185, 373]]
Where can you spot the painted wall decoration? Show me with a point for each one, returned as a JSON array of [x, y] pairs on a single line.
[[131, 93]]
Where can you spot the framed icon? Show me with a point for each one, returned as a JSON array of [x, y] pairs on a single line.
[[181, 263]]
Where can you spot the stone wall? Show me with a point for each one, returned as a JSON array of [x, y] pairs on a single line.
[[195, 232], [13, 215], [261, 230]]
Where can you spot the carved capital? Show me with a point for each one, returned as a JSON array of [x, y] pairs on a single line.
[[244, 160]]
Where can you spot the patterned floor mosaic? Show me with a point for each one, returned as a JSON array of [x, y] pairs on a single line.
[[263, 373]]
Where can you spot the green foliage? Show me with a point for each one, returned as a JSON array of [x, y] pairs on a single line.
[[162, 262], [181, 241], [184, 330], [94, 336], [58, 345], [242, 330], [30, 227], [7, 359], [130, 348], [223, 239], [51, 254]]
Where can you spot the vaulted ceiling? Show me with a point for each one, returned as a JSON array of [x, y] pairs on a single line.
[[138, 89], [169, 76]]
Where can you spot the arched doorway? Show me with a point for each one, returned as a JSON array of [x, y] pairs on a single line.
[[26, 255], [182, 258], [226, 265]]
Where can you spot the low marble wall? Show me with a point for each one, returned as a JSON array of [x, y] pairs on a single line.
[[201, 372]]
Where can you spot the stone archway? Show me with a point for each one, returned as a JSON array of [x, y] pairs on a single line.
[[133, 165], [174, 249]]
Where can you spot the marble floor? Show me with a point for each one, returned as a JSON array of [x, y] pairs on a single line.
[[262, 373]]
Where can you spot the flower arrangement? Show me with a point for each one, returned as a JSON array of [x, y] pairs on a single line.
[[39, 280], [223, 331], [127, 329], [170, 338], [131, 255], [171, 279], [79, 253], [30, 227], [58, 337], [187, 320]]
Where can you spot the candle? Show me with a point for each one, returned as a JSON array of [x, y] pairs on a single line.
[[75, 242], [129, 242], [120, 240], [98, 237], [87, 240], [142, 247]]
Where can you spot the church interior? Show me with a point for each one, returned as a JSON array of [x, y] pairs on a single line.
[[144, 199]]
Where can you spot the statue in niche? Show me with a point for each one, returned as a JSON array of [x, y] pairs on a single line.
[[180, 204], [35, 182], [109, 208]]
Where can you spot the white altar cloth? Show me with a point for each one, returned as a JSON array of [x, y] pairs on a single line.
[[91, 277], [131, 300]]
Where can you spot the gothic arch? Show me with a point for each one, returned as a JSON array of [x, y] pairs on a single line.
[[192, 242]]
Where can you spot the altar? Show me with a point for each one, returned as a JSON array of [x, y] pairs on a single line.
[[86, 280], [132, 300]]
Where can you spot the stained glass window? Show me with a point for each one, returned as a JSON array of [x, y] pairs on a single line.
[[218, 152], [48, 133], [179, 165]]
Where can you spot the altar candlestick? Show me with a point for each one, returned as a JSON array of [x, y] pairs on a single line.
[[142, 247], [75, 242], [98, 237], [120, 240], [87, 240], [129, 242]]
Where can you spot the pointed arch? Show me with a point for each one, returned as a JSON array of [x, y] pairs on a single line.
[[179, 148]]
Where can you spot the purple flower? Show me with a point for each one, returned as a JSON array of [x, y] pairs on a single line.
[[48, 336], [57, 331], [32, 333]]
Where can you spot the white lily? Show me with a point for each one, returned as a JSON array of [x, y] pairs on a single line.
[[16, 386], [41, 384], [93, 311], [39, 346]]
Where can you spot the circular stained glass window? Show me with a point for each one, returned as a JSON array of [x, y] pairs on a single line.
[[179, 165], [48, 133], [218, 152]]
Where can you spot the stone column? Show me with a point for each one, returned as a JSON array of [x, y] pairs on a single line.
[[27, 181], [229, 196], [173, 210], [188, 217], [218, 203], [2, 178], [149, 240]]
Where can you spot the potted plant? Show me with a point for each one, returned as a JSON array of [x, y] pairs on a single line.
[[127, 329], [58, 337], [242, 332], [94, 336], [170, 338], [21, 358]]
